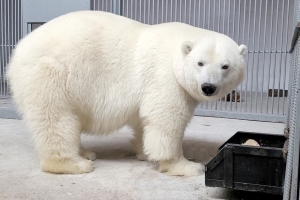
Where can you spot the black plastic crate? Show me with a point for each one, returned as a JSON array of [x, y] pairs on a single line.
[[249, 168]]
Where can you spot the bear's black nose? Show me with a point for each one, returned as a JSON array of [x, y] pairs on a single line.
[[208, 88]]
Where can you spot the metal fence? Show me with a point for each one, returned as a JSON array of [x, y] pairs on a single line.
[[10, 33], [265, 26]]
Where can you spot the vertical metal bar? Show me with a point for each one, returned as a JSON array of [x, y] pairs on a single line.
[[21, 20], [14, 23], [153, 12], [3, 43], [149, 11], [204, 14], [8, 41], [5, 39], [292, 164], [264, 55], [280, 58], [167, 3], [228, 32], [253, 43], [214, 11], [229, 9], [175, 11], [145, 11], [223, 31], [199, 9], [275, 66], [135, 10], [214, 14], [224, 14], [233, 33], [131, 9], [140, 11], [127, 8], [180, 9], [243, 39], [291, 183], [203, 26], [2, 40], [248, 41], [206, 103], [270, 56], [238, 40], [286, 47], [184, 12], [219, 19], [190, 10], [209, 14], [171, 11], [195, 3], [18, 20], [162, 11], [258, 56], [157, 12]]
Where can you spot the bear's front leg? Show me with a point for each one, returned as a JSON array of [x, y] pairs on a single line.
[[165, 146]]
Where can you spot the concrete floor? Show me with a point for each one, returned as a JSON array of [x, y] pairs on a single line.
[[117, 174]]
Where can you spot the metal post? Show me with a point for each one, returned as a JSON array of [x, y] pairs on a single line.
[[117, 6], [292, 166]]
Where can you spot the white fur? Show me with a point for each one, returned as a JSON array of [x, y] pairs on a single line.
[[96, 72]]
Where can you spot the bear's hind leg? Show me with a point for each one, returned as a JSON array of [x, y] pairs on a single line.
[[57, 141]]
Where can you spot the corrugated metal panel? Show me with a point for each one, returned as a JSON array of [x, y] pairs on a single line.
[[103, 5], [10, 33], [264, 26]]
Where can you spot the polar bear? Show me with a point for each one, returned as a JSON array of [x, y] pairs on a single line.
[[95, 72]]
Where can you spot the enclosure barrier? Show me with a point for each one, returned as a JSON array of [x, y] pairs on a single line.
[[10, 33], [265, 26]]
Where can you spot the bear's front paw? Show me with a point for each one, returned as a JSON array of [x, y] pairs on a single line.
[[181, 167], [67, 165]]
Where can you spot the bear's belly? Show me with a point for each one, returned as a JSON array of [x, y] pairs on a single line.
[[104, 117]]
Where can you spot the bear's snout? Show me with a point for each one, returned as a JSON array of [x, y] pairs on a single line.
[[208, 88]]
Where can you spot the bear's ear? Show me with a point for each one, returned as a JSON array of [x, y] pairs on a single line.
[[186, 47], [242, 49]]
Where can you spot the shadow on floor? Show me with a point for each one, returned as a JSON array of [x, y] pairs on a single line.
[[194, 149], [200, 150]]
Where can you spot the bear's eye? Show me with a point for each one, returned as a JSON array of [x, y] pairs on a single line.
[[225, 67], [200, 64]]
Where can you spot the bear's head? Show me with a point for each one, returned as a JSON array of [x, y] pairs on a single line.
[[210, 68]]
